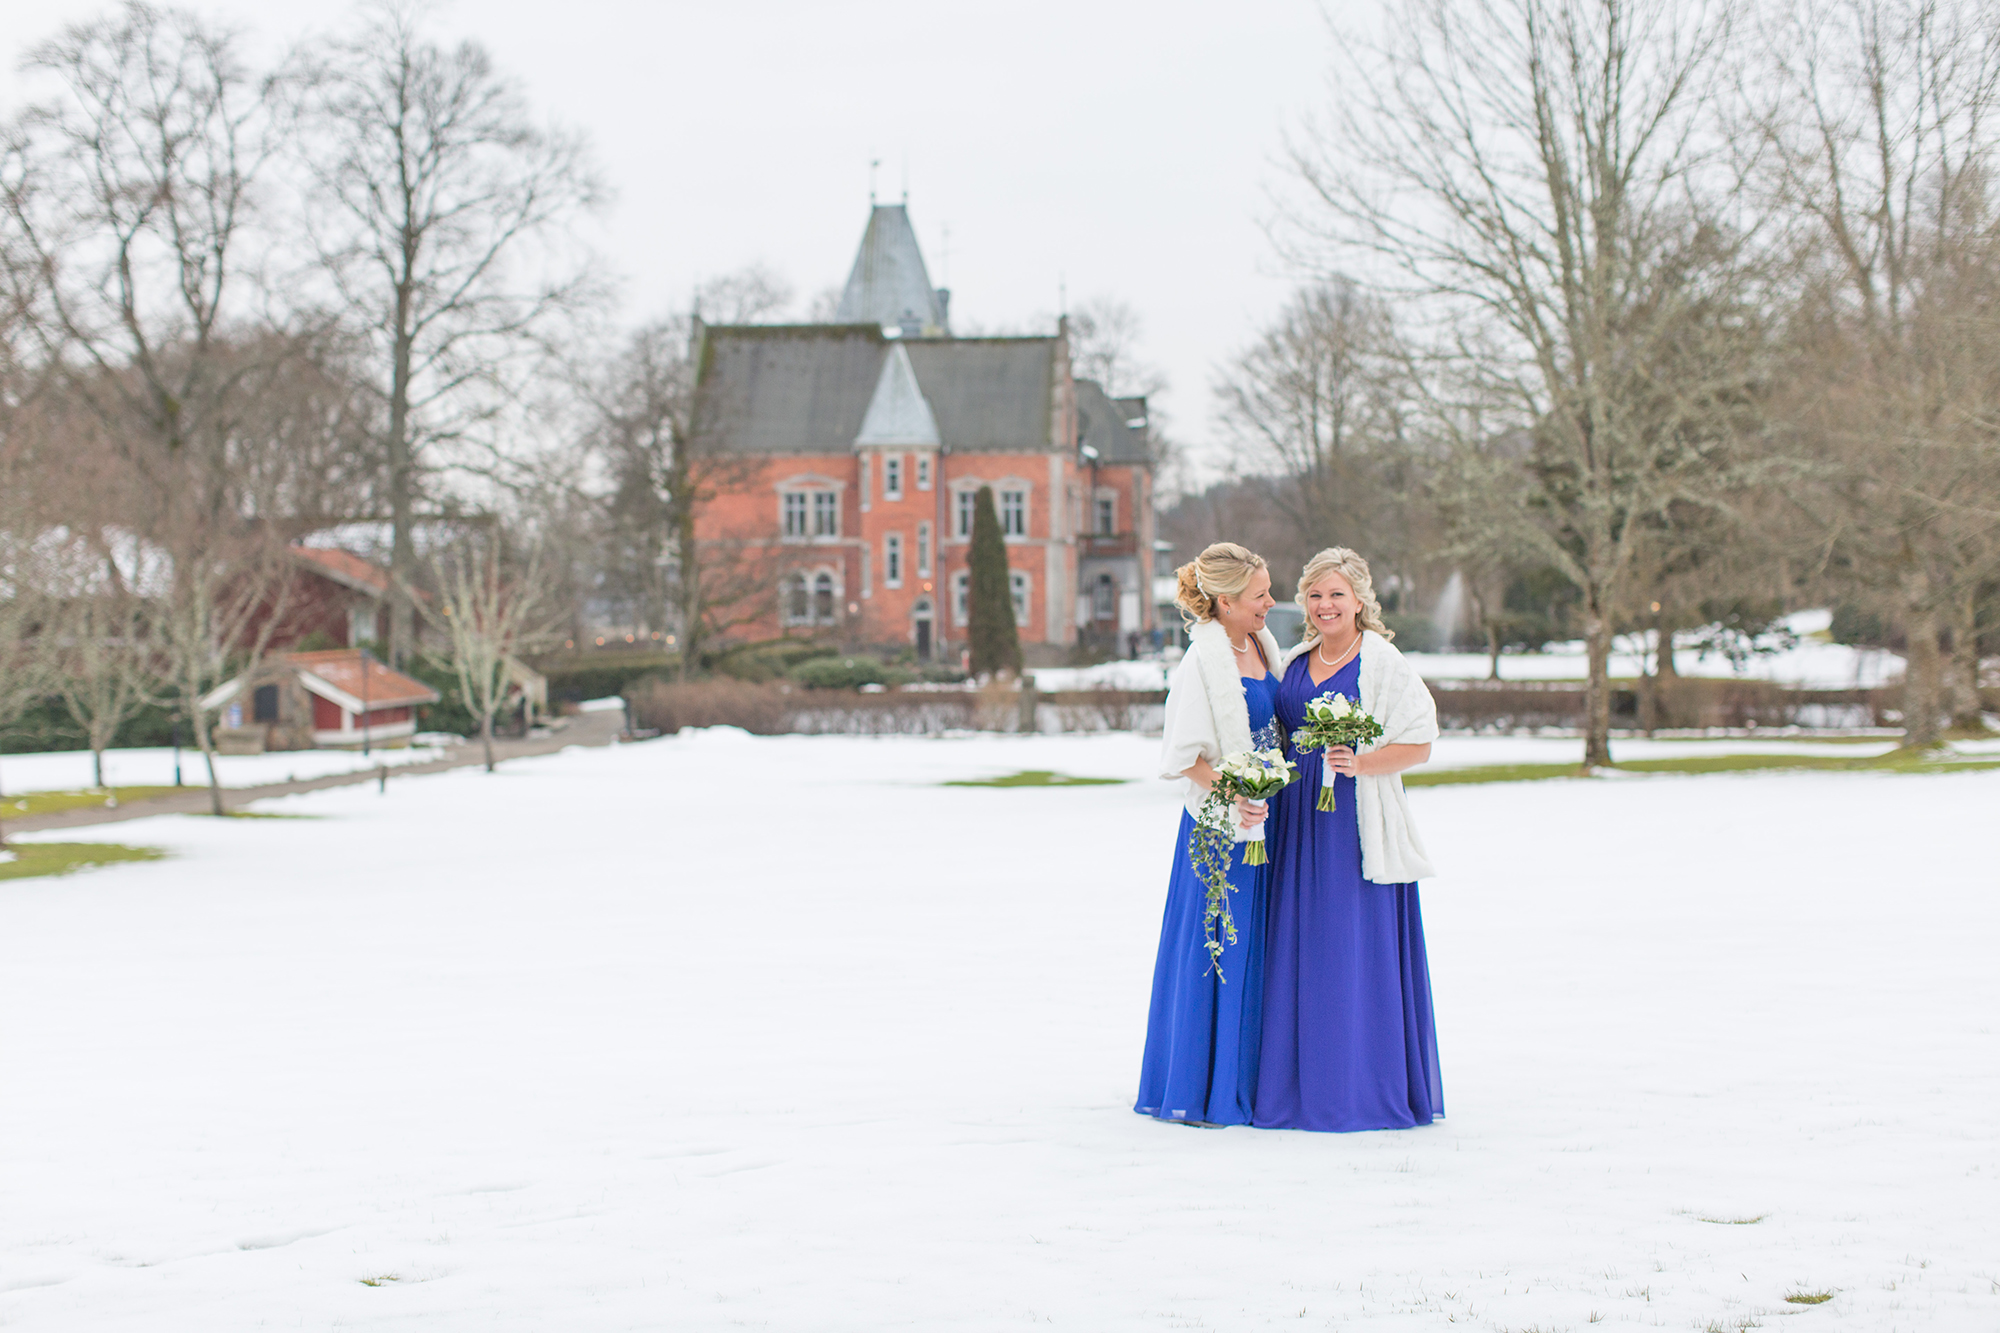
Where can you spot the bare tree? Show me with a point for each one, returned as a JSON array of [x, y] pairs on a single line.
[[442, 219], [495, 611], [1104, 335], [25, 675], [1533, 174], [1319, 404], [105, 657], [1882, 125], [659, 441], [131, 191]]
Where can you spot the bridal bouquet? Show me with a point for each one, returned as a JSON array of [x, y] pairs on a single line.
[[1253, 775], [1333, 720]]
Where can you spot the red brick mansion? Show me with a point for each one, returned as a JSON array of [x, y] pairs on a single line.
[[855, 450]]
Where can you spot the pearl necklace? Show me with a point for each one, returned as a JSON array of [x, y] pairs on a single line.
[[1242, 647], [1320, 652]]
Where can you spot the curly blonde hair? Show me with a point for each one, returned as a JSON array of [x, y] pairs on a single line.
[[1350, 566], [1222, 570]]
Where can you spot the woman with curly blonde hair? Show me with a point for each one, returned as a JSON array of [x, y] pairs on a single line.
[[1201, 1029], [1349, 1041]]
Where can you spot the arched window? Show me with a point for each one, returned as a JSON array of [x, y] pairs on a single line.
[[1104, 603], [797, 603], [823, 599]]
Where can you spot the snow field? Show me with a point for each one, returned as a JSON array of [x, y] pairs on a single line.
[[69, 770], [720, 1032]]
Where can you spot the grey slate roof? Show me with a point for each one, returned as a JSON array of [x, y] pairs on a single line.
[[805, 388], [990, 394], [889, 283], [1100, 423]]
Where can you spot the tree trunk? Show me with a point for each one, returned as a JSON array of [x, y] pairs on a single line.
[[402, 484], [486, 736], [1921, 677], [1597, 693], [206, 739], [1493, 652], [1657, 691], [97, 766], [1967, 711], [3, 830]]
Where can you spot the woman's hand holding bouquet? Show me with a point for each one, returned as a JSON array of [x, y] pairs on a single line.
[[1333, 721], [1253, 775]]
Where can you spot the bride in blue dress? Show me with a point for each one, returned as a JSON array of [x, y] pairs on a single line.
[[1349, 1041], [1201, 1032]]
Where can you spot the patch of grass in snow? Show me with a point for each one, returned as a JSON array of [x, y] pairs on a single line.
[[1809, 1297], [379, 1279], [1453, 777], [1735, 1221], [1896, 761], [61, 858], [54, 802], [1037, 777]]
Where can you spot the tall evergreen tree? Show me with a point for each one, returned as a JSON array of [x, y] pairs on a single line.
[[995, 645]]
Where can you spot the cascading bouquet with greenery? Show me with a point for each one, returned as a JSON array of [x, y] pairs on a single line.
[[1253, 775], [1333, 720]]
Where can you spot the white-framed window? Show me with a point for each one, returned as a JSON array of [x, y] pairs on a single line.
[[1104, 598], [1107, 515], [961, 598], [892, 560], [826, 514], [962, 514], [892, 477], [1013, 513], [824, 609], [923, 550], [1018, 583], [923, 472], [793, 504]]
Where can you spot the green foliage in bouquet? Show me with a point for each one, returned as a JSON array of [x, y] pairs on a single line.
[[1255, 775], [1333, 720]]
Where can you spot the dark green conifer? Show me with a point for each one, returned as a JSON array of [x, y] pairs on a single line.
[[995, 644]]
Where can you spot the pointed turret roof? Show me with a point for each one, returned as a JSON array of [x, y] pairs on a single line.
[[898, 413], [889, 284]]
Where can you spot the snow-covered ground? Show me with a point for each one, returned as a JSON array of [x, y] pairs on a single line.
[[69, 770], [716, 1032]]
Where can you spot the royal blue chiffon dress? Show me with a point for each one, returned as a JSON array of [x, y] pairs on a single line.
[[1349, 1041], [1201, 1034]]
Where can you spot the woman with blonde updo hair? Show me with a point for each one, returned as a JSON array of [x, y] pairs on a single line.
[[1201, 1032], [1349, 1041]]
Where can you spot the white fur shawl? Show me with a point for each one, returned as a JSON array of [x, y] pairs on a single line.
[[1207, 716], [1395, 695]]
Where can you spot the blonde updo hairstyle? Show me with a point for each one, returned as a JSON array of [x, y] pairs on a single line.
[[1350, 566], [1223, 570]]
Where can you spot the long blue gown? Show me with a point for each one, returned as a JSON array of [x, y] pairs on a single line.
[[1201, 1034], [1349, 1040]]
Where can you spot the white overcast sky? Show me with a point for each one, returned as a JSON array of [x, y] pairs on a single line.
[[1121, 148]]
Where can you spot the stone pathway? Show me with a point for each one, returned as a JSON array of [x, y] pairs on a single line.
[[581, 729]]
